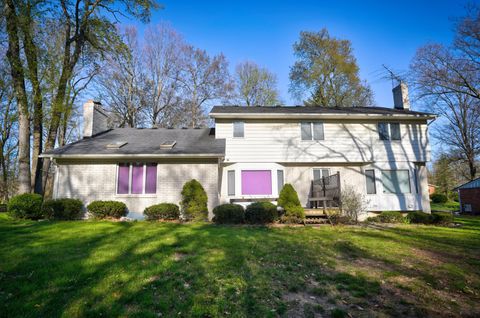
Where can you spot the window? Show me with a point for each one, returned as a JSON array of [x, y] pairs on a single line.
[[383, 131], [320, 173], [256, 182], [137, 178], [370, 179], [389, 131], [396, 181], [231, 182], [312, 130], [238, 129], [280, 180]]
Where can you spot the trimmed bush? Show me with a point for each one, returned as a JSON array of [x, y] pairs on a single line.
[[107, 209], [261, 213], [288, 197], [389, 217], [229, 214], [162, 211], [293, 215], [438, 198], [194, 201], [442, 218], [26, 206], [62, 209], [419, 217]]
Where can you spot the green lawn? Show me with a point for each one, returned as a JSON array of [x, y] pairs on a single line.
[[447, 206], [141, 269]]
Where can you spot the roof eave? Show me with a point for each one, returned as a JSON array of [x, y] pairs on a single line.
[[130, 156], [320, 116]]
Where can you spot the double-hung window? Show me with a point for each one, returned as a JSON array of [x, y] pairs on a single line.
[[137, 178], [389, 131], [396, 181], [238, 129], [312, 130], [319, 173]]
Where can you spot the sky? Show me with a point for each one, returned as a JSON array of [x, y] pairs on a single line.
[[381, 32]]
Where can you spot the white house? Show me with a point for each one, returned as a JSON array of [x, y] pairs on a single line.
[[250, 153]]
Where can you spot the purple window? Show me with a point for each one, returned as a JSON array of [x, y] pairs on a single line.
[[151, 178], [137, 178], [256, 182], [123, 176]]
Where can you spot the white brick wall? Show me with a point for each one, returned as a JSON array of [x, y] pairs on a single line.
[[89, 181]]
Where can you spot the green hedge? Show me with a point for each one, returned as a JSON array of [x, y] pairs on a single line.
[[194, 201], [261, 213], [62, 209], [162, 211], [419, 217], [26, 206], [442, 218], [107, 209], [229, 214], [439, 198], [389, 217]]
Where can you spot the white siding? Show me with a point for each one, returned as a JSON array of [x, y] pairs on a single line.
[[349, 141], [89, 181]]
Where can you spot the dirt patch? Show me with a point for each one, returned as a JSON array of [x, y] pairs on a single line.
[[178, 256]]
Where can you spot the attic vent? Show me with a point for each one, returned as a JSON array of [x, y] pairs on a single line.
[[169, 144], [116, 145]]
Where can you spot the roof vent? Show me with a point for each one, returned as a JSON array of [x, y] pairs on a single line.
[[169, 144], [116, 145]]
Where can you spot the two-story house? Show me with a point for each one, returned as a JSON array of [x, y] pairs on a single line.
[[249, 155]]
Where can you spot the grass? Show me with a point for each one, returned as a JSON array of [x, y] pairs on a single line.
[[450, 206], [142, 269]]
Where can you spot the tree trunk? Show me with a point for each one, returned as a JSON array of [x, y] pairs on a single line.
[[13, 56]]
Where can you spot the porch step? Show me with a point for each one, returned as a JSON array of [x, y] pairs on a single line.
[[319, 212], [316, 220]]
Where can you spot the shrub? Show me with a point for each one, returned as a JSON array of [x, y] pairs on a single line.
[[454, 196], [194, 201], [162, 211], [107, 209], [293, 215], [26, 206], [261, 213], [229, 214], [288, 197], [353, 203], [62, 209], [419, 217], [442, 218], [389, 217], [438, 198]]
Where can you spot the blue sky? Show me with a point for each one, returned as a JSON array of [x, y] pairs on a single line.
[[381, 32]]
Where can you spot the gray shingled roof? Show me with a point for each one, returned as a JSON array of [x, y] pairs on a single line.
[[146, 142], [313, 110]]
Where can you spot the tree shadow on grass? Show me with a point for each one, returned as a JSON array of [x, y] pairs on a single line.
[[143, 269]]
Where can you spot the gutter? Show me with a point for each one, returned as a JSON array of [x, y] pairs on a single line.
[[129, 156], [324, 116]]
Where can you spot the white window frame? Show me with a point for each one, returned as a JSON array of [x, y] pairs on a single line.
[[130, 172], [312, 132], [394, 193], [321, 169], [243, 129], [389, 131]]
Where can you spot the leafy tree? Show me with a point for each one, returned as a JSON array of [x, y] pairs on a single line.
[[326, 72], [256, 86]]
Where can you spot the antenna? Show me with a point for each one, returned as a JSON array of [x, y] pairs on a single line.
[[393, 76]]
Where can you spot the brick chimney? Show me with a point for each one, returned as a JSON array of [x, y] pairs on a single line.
[[95, 119], [400, 97]]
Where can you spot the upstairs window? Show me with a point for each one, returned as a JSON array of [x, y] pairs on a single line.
[[389, 131], [137, 178], [238, 129], [312, 131]]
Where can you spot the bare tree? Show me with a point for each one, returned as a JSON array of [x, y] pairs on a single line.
[[255, 85], [121, 81], [446, 80], [162, 58], [204, 80]]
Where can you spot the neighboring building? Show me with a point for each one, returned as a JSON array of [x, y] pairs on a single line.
[[431, 189], [469, 197], [251, 153]]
